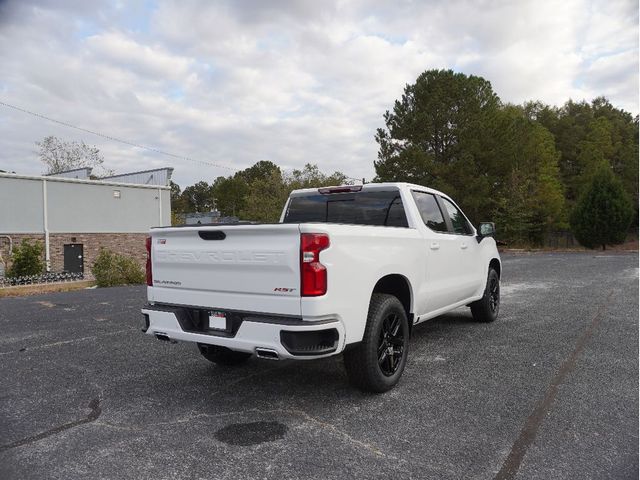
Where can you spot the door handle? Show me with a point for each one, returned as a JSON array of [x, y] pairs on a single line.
[[463, 246], [434, 246]]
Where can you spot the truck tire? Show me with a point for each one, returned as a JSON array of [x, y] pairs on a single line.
[[376, 364], [222, 355], [486, 309]]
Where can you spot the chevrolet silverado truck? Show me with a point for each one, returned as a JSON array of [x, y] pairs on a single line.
[[349, 269]]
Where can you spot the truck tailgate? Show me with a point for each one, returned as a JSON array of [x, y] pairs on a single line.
[[235, 267]]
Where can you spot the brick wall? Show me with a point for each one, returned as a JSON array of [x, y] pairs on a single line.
[[130, 244]]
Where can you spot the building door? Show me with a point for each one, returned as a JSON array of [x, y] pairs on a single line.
[[73, 258]]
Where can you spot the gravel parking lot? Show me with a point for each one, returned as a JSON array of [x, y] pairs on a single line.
[[548, 391]]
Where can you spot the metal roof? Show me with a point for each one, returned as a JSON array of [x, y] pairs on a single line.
[[158, 176], [83, 173], [80, 180]]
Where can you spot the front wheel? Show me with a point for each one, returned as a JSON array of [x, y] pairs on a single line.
[[222, 355], [486, 309], [376, 364]]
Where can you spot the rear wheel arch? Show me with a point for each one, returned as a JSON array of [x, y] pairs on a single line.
[[400, 287]]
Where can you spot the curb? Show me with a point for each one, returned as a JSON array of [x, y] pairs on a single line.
[[39, 288]]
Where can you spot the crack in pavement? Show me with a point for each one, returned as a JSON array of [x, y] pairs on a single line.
[[332, 428], [94, 405], [291, 411], [73, 340], [528, 433]]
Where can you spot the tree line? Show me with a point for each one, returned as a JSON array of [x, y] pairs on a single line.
[[257, 193], [526, 167], [531, 168]]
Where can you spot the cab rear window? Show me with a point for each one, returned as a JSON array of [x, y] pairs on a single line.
[[379, 208]]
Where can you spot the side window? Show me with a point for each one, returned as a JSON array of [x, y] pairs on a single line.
[[460, 223], [430, 211]]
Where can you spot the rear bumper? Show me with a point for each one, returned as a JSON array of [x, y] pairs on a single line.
[[290, 337]]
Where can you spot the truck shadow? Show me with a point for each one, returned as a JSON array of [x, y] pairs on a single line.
[[449, 322], [300, 379], [315, 386]]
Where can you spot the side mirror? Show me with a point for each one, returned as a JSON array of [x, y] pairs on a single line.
[[486, 229]]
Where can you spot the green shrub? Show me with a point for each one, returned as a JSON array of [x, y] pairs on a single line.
[[26, 259], [112, 269], [603, 214]]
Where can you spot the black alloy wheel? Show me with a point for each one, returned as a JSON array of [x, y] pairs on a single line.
[[376, 363], [391, 345], [494, 295], [487, 308]]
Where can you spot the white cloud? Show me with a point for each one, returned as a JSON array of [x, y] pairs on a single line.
[[117, 48], [234, 82]]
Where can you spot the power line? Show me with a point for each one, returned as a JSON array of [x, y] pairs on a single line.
[[126, 142], [115, 139]]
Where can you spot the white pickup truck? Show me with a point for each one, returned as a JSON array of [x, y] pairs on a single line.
[[348, 269]]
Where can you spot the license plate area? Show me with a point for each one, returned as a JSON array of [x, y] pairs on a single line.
[[217, 321]]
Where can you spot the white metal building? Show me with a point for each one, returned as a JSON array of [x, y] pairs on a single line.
[[75, 216]]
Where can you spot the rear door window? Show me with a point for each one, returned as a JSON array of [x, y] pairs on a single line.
[[430, 211]]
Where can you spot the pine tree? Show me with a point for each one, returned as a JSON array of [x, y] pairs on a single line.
[[603, 213]]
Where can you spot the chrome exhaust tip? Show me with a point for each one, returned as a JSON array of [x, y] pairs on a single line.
[[267, 353], [164, 337]]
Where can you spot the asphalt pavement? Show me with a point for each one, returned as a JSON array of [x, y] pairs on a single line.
[[548, 391]]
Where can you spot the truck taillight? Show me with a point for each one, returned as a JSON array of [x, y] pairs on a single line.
[[313, 275], [149, 272]]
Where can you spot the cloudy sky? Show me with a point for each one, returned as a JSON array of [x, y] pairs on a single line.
[[294, 82]]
